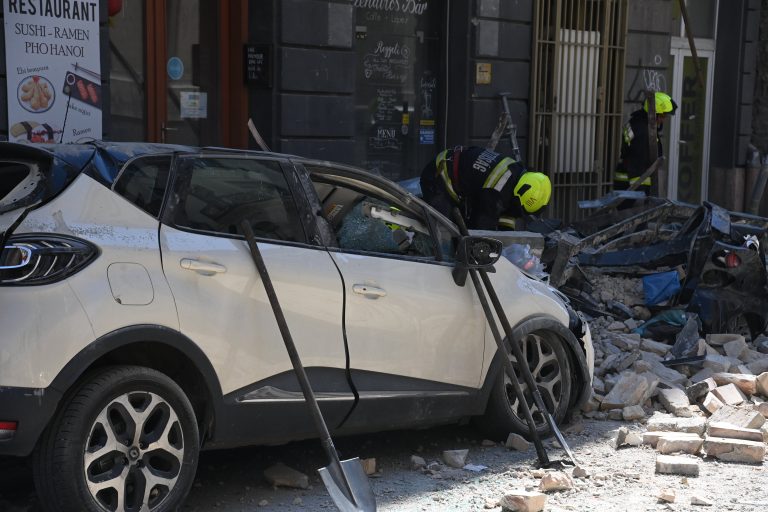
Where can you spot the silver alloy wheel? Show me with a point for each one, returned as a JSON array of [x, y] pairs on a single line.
[[547, 373], [134, 453]]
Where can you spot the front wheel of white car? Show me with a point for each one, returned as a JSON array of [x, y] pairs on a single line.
[[548, 361], [126, 440]]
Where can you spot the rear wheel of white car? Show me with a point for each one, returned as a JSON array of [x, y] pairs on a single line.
[[126, 440], [549, 363]]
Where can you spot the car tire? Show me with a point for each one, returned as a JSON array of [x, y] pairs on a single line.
[[125, 430], [551, 368]]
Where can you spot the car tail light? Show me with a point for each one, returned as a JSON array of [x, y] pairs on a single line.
[[34, 259], [732, 260], [7, 430]]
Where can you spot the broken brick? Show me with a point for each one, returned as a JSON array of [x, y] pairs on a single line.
[[735, 450]]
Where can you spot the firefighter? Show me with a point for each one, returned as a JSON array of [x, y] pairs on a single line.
[[635, 159], [492, 191]]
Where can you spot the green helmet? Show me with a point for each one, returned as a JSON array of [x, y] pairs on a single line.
[[664, 104]]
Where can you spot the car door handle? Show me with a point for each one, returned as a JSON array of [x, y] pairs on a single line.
[[206, 268], [368, 291]]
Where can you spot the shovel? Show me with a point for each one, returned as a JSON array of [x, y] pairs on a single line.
[[509, 367], [345, 480]]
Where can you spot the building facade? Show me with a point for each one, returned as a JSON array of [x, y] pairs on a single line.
[[386, 84]]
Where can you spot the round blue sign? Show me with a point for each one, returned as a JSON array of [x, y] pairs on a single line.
[[175, 68]]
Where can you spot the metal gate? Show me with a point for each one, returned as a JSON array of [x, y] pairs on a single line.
[[576, 98]]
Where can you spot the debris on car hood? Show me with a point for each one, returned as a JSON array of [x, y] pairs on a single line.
[[666, 255]]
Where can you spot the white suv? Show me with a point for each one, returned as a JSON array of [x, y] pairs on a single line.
[[136, 329]]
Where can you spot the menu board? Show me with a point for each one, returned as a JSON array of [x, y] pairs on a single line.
[[398, 54], [53, 66]]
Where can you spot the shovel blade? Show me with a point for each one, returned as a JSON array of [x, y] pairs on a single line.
[[353, 493]]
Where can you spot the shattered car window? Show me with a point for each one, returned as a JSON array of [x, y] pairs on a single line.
[[143, 183]]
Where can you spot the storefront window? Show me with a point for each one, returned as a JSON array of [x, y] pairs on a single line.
[[397, 97]]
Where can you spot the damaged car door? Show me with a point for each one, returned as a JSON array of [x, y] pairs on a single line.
[[415, 338], [222, 304]]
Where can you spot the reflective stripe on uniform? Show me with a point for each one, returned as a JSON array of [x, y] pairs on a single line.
[[624, 177], [499, 175], [628, 134], [442, 171], [507, 222]]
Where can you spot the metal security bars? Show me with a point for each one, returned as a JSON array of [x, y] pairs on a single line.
[[576, 98]]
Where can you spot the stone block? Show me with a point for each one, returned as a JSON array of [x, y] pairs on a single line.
[[729, 431], [717, 363], [704, 373], [735, 450], [712, 403], [738, 416], [759, 366], [746, 383], [695, 425], [631, 389], [729, 394], [700, 389], [762, 384], [675, 401], [517, 442], [555, 481], [676, 465], [701, 501], [633, 413], [523, 501], [676, 442], [667, 495], [455, 458], [705, 349], [722, 339], [735, 348], [655, 347], [763, 409]]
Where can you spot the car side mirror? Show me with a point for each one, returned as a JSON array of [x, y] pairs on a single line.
[[475, 253]]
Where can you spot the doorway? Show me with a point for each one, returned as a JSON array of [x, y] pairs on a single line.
[[690, 128], [176, 73]]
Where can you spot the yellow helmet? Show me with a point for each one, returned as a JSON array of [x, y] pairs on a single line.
[[664, 104], [534, 190]]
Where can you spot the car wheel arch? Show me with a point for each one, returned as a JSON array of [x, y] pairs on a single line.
[[157, 347], [580, 373]]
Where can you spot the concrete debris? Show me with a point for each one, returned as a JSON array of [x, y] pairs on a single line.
[[667, 495], [729, 394], [633, 413], [369, 466], [663, 423], [712, 403], [487, 443], [631, 389], [455, 458], [621, 437], [700, 389], [675, 401], [762, 384], [763, 409], [735, 450], [652, 438], [738, 417], [556, 481], [746, 383], [736, 347], [633, 439], [697, 499], [523, 501], [759, 366], [580, 472], [722, 339], [729, 431], [517, 442], [417, 463], [654, 346], [718, 363], [682, 443], [281, 475], [677, 465]]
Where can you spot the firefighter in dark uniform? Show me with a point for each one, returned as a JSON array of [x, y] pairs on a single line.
[[491, 191], [635, 159]]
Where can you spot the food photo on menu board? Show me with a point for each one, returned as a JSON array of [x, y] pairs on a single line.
[[53, 70]]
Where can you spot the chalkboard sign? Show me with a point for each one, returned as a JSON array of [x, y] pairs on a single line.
[[257, 62]]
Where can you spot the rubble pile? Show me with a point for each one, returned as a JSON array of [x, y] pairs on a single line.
[[712, 404]]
